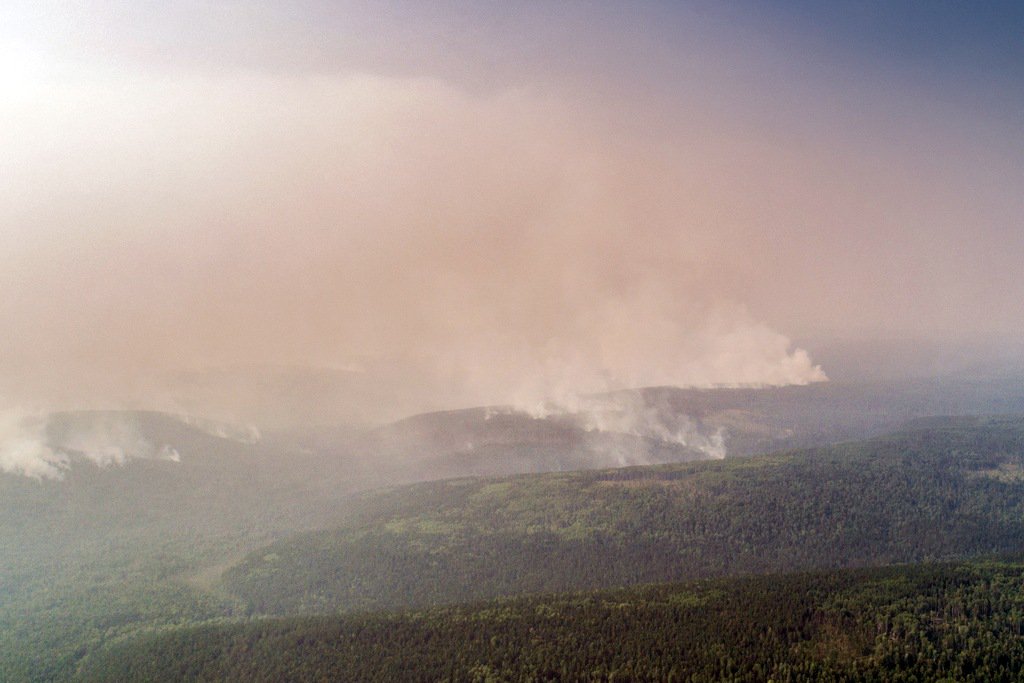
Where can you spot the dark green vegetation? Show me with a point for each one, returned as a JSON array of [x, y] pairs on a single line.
[[752, 421], [942, 490], [927, 623], [104, 552], [109, 554]]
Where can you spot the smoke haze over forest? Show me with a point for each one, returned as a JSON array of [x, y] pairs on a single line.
[[402, 340], [497, 206]]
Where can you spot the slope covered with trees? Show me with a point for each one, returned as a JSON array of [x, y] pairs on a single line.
[[946, 489], [931, 623], [108, 554]]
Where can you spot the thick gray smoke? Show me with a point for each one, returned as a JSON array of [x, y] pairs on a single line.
[[29, 446], [492, 247], [562, 231], [241, 433], [46, 446], [24, 449], [632, 414]]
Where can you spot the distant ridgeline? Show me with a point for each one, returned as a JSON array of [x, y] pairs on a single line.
[[147, 572], [946, 489], [926, 623]]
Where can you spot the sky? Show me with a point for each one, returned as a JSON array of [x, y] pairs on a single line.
[[506, 201]]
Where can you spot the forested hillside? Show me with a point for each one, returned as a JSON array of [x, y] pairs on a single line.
[[106, 555], [943, 490], [926, 623]]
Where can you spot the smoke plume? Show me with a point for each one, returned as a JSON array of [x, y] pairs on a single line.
[[550, 201], [42, 446], [23, 447], [497, 247]]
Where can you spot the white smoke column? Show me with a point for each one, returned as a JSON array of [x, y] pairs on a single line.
[[630, 413], [240, 433], [114, 440], [24, 450], [647, 339], [487, 240]]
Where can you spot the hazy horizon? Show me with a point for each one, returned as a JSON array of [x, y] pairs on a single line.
[[510, 205], [396, 340]]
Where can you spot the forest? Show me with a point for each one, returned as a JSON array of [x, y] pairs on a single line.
[[962, 622], [457, 341], [941, 490]]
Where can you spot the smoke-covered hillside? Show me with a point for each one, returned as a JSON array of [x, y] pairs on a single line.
[[72, 477], [312, 305], [135, 517], [943, 489]]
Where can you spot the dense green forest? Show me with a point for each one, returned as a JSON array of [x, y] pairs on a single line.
[[922, 623], [939, 491], [87, 567]]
